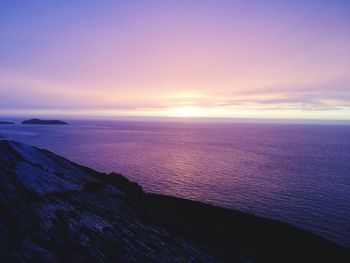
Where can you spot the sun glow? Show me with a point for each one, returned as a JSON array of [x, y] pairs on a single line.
[[187, 111]]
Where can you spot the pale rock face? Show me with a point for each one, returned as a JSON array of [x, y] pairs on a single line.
[[53, 210], [41, 172]]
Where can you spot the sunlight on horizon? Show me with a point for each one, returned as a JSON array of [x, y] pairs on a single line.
[[187, 111]]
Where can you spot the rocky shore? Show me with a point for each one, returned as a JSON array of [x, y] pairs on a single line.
[[54, 210]]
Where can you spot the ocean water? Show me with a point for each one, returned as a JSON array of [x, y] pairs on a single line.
[[294, 173]]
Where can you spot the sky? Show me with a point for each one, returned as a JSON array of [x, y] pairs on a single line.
[[184, 58]]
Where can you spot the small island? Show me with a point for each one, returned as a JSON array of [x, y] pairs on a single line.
[[44, 122], [6, 122]]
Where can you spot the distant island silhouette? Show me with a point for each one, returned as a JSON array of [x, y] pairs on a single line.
[[6, 122], [44, 122]]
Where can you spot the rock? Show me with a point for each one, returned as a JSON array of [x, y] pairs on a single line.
[[44, 122], [53, 210]]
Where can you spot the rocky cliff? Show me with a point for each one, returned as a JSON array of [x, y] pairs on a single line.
[[53, 210]]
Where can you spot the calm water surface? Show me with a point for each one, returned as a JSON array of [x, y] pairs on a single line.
[[295, 173]]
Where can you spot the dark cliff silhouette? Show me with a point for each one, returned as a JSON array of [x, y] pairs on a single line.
[[53, 210]]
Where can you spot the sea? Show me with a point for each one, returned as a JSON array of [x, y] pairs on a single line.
[[295, 173]]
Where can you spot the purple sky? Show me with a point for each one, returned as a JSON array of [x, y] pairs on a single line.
[[258, 59]]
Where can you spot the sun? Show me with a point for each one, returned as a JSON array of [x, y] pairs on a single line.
[[186, 112]]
